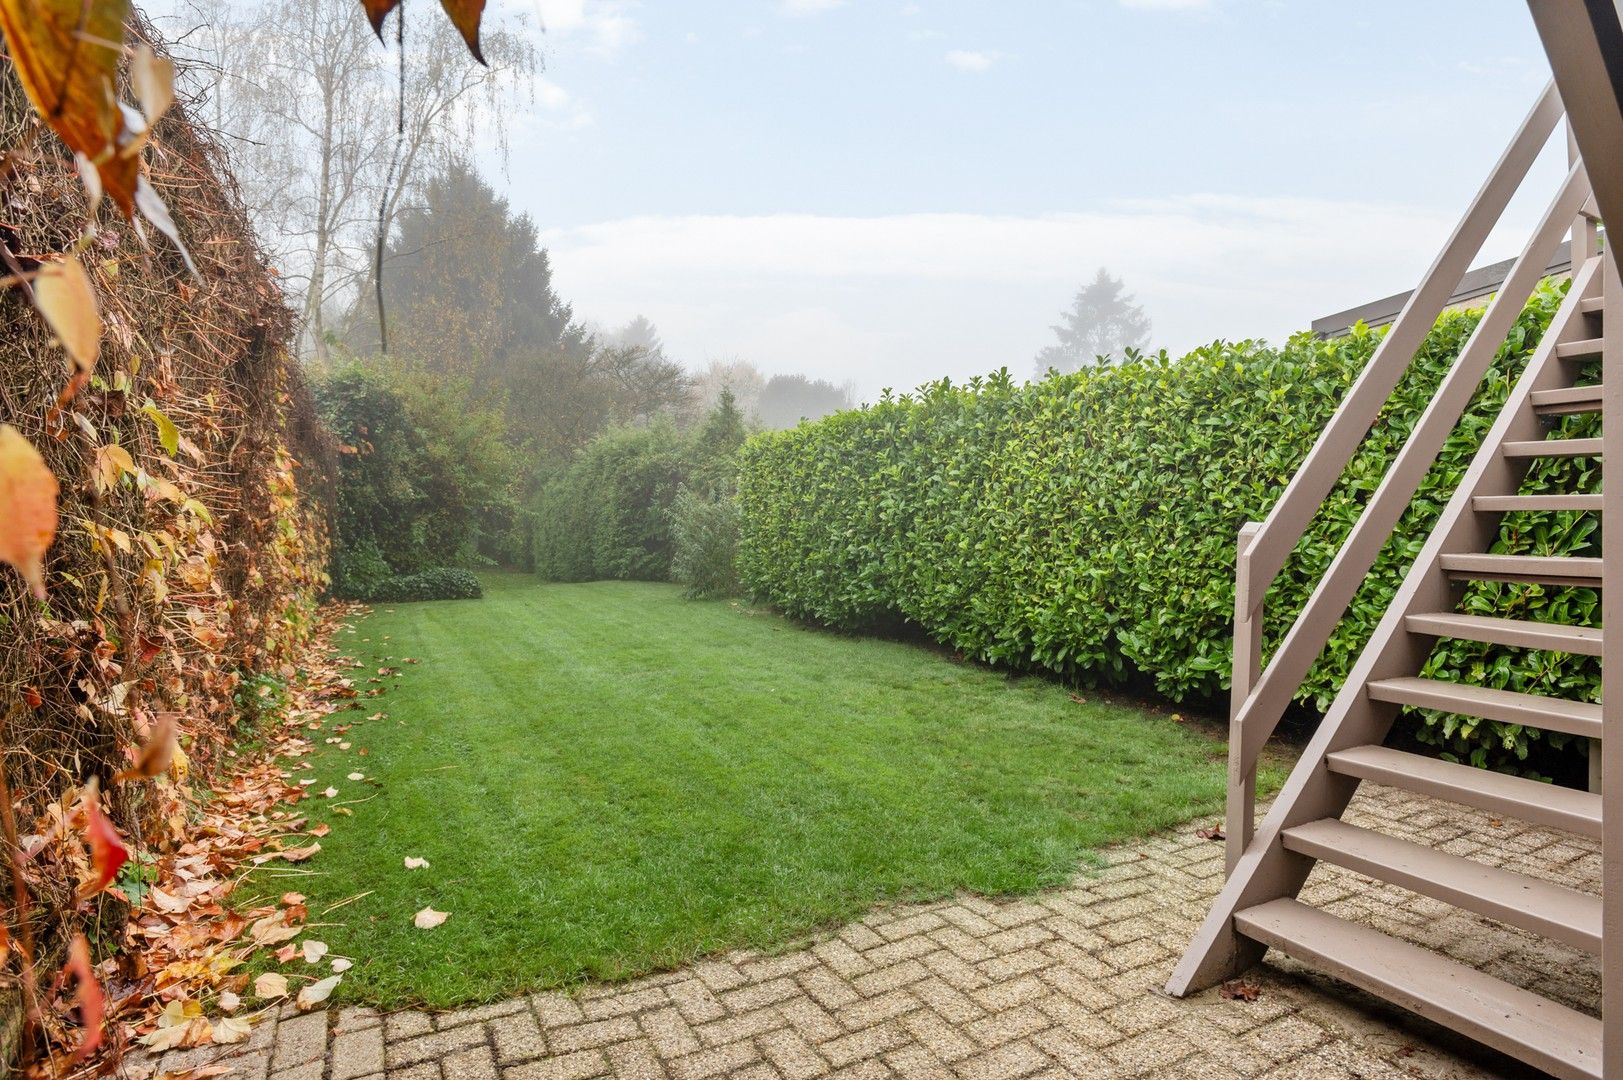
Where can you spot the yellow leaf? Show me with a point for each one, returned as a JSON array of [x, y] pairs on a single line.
[[62, 291], [27, 507], [66, 54], [271, 984], [231, 1030]]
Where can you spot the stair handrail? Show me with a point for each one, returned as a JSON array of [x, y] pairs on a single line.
[[1261, 695]]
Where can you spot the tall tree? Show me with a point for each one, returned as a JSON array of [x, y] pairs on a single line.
[[470, 295], [786, 400], [1102, 322], [312, 101]]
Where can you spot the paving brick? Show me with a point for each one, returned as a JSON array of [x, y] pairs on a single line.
[[474, 1063], [403, 1025], [577, 1066], [863, 1044], [793, 1056], [743, 1026], [1007, 1062], [432, 1047], [556, 1010], [356, 1054], [754, 997], [516, 1037], [866, 1013], [826, 988], [671, 1035], [636, 1060], [716, 1062], [597, 1033], [299, 1041], [890, 978]]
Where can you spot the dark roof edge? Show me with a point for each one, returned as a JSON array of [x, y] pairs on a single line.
[[1475, 284]]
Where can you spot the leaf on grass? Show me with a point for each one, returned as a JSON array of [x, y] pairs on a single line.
[[92, 1002], [27, 508], [63, 294], [357, 776], [342, 964], [174, 905], [330, 793], [66, 55], [414, 863], [428, 918], [229, 1002], [314, 951], [107, 850], [299, 854], [317, 992], [272, 984]]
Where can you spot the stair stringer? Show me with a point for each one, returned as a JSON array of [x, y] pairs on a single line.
[[1267, 871]]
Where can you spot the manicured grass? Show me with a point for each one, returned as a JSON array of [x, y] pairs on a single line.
[[608, 779]]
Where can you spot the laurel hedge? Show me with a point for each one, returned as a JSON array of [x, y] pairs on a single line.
[[1085, 524]]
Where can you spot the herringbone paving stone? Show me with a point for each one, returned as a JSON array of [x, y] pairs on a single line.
[[1063, 984]]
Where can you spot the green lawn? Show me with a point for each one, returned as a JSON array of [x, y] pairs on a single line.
[[608, 779]]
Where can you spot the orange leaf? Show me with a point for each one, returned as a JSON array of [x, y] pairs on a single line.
[[66, 53], [465, 16], [158, 752], [107, 850], [27, 507], [92, 1002]]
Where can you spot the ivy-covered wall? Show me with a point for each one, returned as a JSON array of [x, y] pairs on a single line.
[[1086, 524]]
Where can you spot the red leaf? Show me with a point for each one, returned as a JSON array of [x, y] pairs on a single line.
[[107, 850], [92, 1002]]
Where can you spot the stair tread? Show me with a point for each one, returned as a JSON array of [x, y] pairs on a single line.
[[1552, 448], [1509, 706], [1518, 633], [1570, 350], [1574, 570], [1535, 1029], [1568, 393], [1512, 796], [1536, 502], [1594, 305], [1542, 907]]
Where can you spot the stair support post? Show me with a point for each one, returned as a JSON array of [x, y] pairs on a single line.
[[1240, 821], [1611, 748]]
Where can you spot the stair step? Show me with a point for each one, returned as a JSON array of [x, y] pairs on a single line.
[[1595, 305], [1558, 570], [1509, 796], [1538, 1031], [1569, 399], [1502, 503], [1518, 633], [1542, 907], [1552, 448], [1580, 350], [1507, 706]]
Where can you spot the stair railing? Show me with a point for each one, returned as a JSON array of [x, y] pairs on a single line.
[[1260, 695]]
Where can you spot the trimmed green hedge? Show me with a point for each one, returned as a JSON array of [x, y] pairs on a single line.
[[437, 583], [1086, 524]]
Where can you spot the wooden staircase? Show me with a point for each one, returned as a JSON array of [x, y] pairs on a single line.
[[1576, 369]]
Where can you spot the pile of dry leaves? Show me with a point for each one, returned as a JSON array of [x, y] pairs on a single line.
[[206, 908]]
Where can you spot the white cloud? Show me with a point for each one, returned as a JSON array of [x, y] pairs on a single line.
[[972, 61], [1166, 5], [810, 7], [603, 27], [897, 300]]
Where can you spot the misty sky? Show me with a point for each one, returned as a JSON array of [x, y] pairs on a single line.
[[888, 191]]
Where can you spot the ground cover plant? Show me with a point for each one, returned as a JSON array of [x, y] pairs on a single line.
[[1085, 524], [606, 779]]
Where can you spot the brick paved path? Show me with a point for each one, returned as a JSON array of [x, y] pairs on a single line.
[[1064, 984]]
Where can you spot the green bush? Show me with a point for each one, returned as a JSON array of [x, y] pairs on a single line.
[[704, 530], [1086, 524], [607, 514], [427, 477], [436, 583]]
